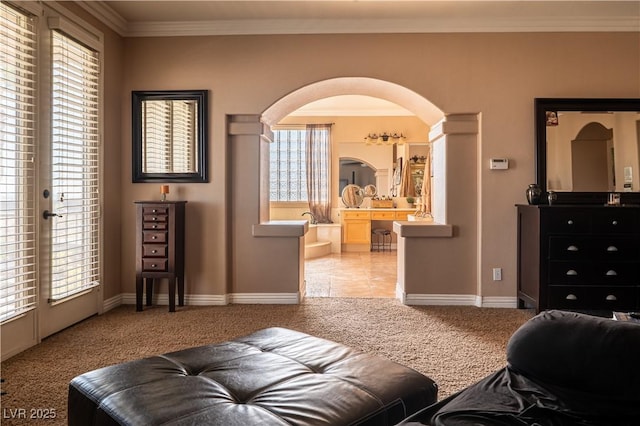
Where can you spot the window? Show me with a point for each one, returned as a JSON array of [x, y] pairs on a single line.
[[17, 163], [75, 263], [288, 170]]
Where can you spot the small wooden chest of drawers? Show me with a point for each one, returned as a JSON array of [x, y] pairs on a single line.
[[579, 257], [160, 249]]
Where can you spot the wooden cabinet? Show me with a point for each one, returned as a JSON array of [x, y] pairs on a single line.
[[160, 249], [579, 257], [356, 227]]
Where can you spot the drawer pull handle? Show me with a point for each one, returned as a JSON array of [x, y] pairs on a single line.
[[572, 248], [612, 248], [154, 218], [570, 222], [154, 211], [154, 226], [572, 272], [615, 222], [153, 265], [611, 273], [154, 237], [611, 297], [571, 297], [154, 251]]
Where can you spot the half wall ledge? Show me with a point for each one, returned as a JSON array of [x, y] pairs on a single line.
[[281, 228], [422, 230]]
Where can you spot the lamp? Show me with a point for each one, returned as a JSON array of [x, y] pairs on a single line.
[[385, 138]]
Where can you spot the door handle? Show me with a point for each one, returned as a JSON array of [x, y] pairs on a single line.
[[47, 214]]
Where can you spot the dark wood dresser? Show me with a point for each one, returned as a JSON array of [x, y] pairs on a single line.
[[579, 257], [160, 249]]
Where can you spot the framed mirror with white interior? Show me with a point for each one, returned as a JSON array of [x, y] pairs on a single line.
[[588, 148], [169, 136]]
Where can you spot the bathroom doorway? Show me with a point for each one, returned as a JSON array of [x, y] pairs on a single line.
[[420, 114], [361, 275], [340, 273]]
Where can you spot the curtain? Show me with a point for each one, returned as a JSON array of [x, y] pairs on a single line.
[[319, 171]]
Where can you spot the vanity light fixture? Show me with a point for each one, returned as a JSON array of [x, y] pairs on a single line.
[[385, 138]]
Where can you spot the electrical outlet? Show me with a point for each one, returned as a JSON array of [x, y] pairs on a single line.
[[497, 274]]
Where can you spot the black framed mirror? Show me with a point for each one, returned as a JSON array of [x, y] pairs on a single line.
[[170, 135], [587, 148]]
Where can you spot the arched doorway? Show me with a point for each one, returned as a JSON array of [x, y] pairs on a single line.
[[392, 92], [421, 108]]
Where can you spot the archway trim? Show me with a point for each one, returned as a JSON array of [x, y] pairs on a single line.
[[392, 92]]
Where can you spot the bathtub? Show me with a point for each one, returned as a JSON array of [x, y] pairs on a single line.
[[322, 239]]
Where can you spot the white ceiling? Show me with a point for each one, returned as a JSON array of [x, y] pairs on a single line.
[[216, 17]]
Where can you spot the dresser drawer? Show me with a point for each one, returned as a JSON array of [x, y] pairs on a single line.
[[616, 248], [614, 273], [356, 214], [593, 273], [152, 210], [614, 220], [159, 265], [154, 237], [153, 218], [383, 215], [154, 250], [597, 248], [592, 297], [402, 215], [154, 225], [569, 272], [570, 248], [569, 221]]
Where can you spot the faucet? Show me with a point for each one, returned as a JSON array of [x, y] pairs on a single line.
[[313, 218]]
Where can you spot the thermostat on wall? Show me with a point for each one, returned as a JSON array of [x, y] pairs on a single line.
[[499, 164]]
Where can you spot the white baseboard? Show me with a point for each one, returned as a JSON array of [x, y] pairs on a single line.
[[440, 299], [163, 299], [294, 298], [265, 298], [459, 300], [112, 303], [499, 302], [211, 300]]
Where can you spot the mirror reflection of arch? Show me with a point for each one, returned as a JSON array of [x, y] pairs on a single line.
[[354, 171], [591, 152]]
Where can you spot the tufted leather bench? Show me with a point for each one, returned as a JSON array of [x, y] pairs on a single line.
[[274, 376]]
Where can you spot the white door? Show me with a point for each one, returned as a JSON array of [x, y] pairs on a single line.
[[70, 200], [49, 160]]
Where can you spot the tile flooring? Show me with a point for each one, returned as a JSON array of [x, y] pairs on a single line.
[[366, 275]]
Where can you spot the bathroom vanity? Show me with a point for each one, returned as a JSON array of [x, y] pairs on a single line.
[[357, 224]]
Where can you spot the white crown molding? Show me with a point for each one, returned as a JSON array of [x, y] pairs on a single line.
[[106, 15], [357, 26], [378, 26]]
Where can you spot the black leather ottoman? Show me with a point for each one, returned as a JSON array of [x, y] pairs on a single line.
[[272, 377]]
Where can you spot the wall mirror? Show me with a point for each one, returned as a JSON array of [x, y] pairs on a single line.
[[588, 147], [352, 196], [170, 130]]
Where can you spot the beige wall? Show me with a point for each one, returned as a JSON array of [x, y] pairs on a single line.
[[494, 75]]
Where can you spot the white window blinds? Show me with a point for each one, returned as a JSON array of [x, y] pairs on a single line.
[[75, 263], [17, 160]]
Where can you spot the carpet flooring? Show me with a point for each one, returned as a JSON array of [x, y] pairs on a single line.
[[455, 346]]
